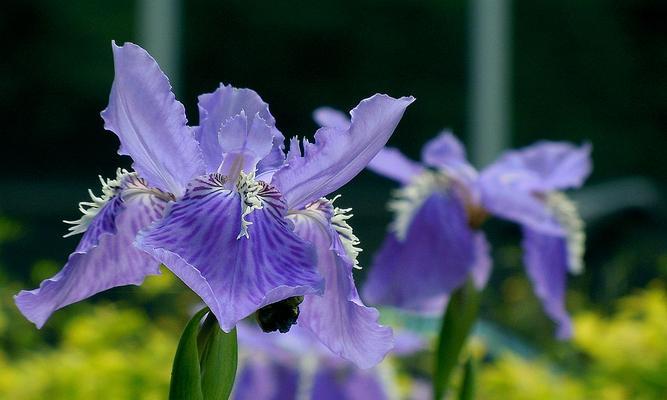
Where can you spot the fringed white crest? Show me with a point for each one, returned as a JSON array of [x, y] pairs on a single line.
[[133, 186], [348, 238], [408, 199], [248, 189], [90, 209], [565, 211]]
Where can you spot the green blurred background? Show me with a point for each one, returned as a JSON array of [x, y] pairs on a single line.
[[574, 70]]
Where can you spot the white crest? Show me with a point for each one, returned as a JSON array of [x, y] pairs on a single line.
[[90, 209], [567, 215], [408, 199], [347, 237], [248, 189]]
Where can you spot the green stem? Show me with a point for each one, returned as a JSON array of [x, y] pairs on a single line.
[[457, 322], [205, 362], [467, 390]]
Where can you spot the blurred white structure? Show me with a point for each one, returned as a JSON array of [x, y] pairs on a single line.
[[489, 85], [159, 32]]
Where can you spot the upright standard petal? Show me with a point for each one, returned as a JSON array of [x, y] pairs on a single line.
[[197, 240], [244, 141], [216, 108], [338, 318], [545, 258], [390, 162], [105, 258], [338, 155], [268, 165], [437, 255], [443, 150], [545, 166], [150, 122], [332, 118]]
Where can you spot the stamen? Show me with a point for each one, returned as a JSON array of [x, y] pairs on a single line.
[[565, 211], [90, 209], [248, 189], [348, 238], [408, 199]]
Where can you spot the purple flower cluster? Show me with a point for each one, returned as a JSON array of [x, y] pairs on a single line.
[[243, 224], [435, 245]]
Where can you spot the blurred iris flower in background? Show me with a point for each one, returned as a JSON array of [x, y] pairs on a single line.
[[297, 366], [435, 243], [245, 226]]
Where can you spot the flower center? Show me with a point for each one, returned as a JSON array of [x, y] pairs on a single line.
[[249, 190]]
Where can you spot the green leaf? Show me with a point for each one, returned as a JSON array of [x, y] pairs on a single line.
[[457, 322], [205, 362], [467, 389]]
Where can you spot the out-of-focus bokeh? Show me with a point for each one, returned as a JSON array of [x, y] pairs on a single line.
[[499, 74]]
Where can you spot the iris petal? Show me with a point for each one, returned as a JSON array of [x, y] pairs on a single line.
[[263, 379], [481, 270], [150, 122], [447, 153], [515, 187], [272, 162], [436, 257], [105, 258], [197, 240], [327, 385], [390, 162], [227, 102], [338, 155], [545, 258], [332, 118], [339, 318], [244, 141], [444, 150], [504, 199], [362, 385], [546, 166]]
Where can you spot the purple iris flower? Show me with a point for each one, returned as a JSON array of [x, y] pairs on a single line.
[[296, 366], [243, 224], [435, 244]]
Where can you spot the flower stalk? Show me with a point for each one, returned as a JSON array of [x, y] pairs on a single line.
[[205, 362], [457, 322]]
